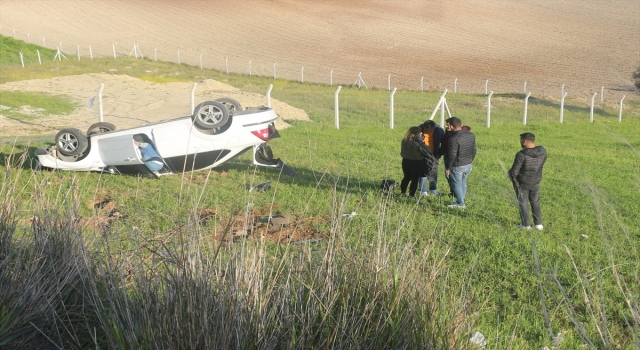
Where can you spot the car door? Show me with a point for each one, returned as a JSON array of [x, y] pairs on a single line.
[[176, 140], [119, 150]]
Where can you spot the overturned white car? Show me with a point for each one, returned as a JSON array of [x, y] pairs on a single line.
[[216, 132]]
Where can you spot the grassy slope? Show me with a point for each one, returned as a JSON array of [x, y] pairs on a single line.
[[589, 195]]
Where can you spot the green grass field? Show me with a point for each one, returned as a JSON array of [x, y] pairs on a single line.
[[403, 273]]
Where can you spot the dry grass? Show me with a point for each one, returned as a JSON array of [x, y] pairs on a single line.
[[68, 285]]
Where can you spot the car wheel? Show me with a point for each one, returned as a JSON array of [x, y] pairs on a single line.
[[71, 142], [99, 128], [210, 115], [231, 104]]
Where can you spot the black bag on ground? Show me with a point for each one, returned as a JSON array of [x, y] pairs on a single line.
[[388, 185]]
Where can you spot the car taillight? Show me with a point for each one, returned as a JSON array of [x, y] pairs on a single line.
[[262, 134]]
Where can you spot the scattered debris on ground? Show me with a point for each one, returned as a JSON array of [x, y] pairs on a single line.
[[106, 212], [277, 228]]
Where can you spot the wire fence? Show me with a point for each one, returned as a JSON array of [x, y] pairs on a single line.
[[316, 74]]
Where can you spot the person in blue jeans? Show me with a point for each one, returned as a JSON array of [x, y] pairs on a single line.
[[432, 135], [461, 150], [150, 157], [412, 151]]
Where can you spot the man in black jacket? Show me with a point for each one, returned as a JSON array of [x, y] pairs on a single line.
[[526, 174], [461, 150]]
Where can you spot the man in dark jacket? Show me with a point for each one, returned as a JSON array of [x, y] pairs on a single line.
[[526, 174], [461, 150], [432, 135]]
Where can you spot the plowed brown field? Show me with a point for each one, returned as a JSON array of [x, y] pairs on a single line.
[[584, 44]]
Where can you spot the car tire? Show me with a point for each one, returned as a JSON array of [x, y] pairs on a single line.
[[99, 128], [71, 142], [231, 104], [210, 115]]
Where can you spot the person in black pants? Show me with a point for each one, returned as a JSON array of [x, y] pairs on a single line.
[[526, 175], [413, 151]]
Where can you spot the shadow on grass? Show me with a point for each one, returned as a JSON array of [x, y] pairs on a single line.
[[17, 156]]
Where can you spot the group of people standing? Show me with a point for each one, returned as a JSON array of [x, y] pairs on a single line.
[[423, 146]]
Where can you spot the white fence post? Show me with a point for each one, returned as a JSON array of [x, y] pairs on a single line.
[[302, 75], [564, 94], [337, 111], [22, 59], [60, 46], [114, 50], [331, 78], [178, 57], [526, 105], [593, 98], [100, 108], [442, 108], [155, 54], [455, 86], [620, 111], [39, 60], [389, 84], [200, 61], [391, 108], [422, 84], [249, 67], [14, 33], [489, 110], [524, 90], [274, 71], [486, 86], [269, 95], [439, 104], [44, 42], [28, 38], [78, 52], [90, 52], [602, 94], [193, 99], [360, 81], [226, 64]]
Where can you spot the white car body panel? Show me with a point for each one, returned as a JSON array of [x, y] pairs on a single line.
[[182, 145]]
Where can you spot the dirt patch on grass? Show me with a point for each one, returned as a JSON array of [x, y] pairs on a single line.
[[276, 228]]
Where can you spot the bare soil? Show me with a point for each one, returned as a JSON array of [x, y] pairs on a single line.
[[128, 102]]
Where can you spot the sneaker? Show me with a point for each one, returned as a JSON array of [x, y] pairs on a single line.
[[456, 206], [524, 227], [435, 193], [539, 227], [424, 194]]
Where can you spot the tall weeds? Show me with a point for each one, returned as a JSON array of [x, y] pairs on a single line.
[[64, 285]]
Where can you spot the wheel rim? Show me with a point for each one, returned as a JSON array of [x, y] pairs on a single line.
[[210, 115], [68, 142], [230, 106]]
